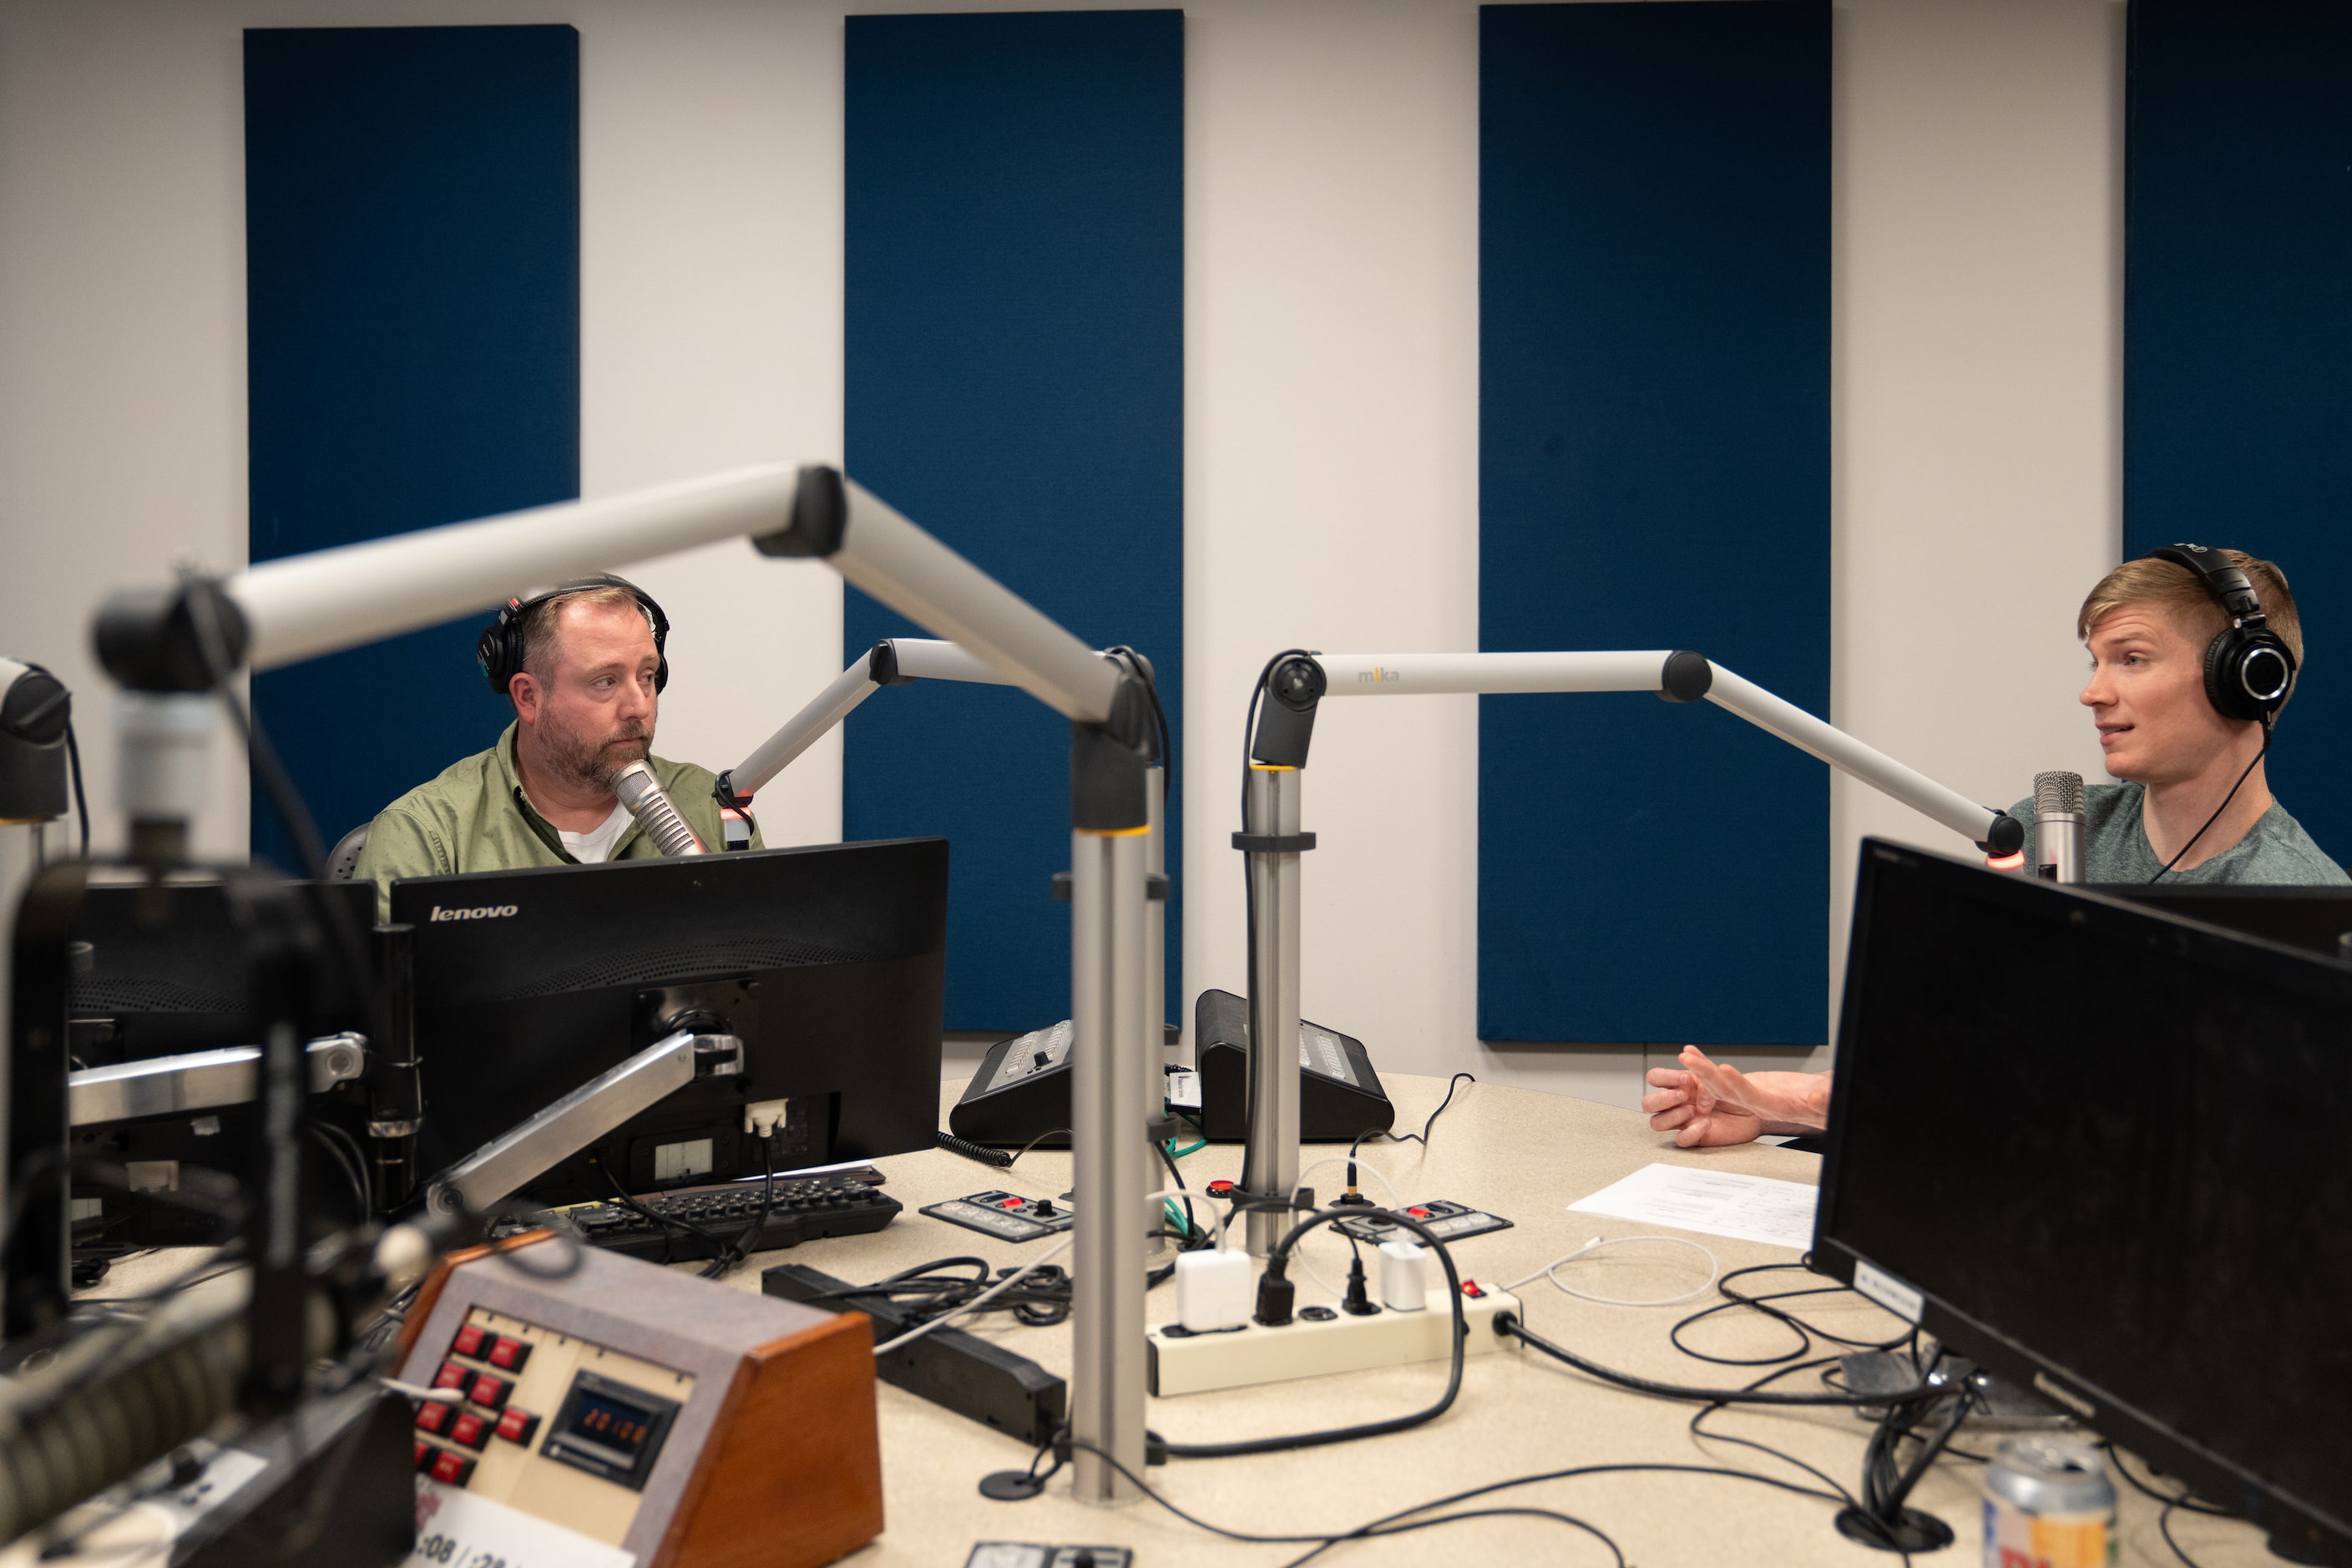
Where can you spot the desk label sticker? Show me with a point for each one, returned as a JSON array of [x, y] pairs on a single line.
[[458, 1529], [1888, 1291]]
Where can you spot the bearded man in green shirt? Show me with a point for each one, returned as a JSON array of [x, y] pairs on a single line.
[[584, 665]]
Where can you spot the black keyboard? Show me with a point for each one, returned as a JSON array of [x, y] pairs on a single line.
[[807, 1208]]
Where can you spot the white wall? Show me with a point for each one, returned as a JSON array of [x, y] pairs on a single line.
[[1332, 397]]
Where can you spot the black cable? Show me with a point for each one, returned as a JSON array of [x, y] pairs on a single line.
[[1508, 1323], [1384, 1525], [2164, 1528], [1805, 1332], [1052, 1132], [1191, 1225], [2183, 1501], [2226, 799], [354, 1174], [81, 801], [732, 1257], [668, 1221], [1275, 1263], [1697, 1427], [1040, 1299], [1421, 1137], [1568, 1519], [1167, 757], [971, 1151]]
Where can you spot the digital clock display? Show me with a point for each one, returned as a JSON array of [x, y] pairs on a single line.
[[612, 1422], [609, 1429]]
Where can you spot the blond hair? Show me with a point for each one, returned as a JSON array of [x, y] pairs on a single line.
[[2183, 597]]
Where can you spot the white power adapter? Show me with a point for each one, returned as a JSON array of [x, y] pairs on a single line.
[[1213, 1289], [1404, 1275]]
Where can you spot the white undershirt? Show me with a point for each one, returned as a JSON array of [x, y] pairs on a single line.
[[595, 845]]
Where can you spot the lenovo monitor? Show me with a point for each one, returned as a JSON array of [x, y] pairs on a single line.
[[828, 963]]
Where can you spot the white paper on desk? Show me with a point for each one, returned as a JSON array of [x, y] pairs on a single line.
[[1714, 1203]]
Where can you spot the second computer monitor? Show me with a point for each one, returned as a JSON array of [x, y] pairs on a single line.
[[2099, 1149], [828, 963]]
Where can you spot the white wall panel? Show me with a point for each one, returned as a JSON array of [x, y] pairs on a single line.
[[1331, 398]]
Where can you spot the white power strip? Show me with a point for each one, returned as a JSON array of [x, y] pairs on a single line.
[[1183, 1362]]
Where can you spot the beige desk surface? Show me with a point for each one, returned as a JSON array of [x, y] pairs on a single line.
[[1522, 1154], [1525, 1156]]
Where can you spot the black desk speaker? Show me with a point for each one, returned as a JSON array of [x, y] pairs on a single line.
[[1340, 1095]]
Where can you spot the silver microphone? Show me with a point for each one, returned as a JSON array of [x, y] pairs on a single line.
[[652, 808], [2058, 826]]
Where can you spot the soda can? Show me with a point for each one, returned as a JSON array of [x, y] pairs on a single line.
[[2048, 1503]]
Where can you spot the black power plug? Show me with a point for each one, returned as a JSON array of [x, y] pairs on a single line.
[[1276, 1294], [1358, 1302]]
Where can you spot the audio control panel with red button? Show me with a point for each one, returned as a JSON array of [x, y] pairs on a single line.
[[585, 1407], [1008, 1216], [1448, 1221], [610, 1411]]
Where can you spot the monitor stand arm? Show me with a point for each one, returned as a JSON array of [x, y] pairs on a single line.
[[200, 1080], [526, 1150]]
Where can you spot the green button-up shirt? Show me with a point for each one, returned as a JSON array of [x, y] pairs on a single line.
[[475, 817]]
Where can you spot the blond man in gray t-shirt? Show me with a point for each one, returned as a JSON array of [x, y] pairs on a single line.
[[2191, 802]]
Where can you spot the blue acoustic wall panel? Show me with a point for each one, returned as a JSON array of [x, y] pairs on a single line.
[[2238, 330], [1654, 473], [1015, 385], [413, 298]]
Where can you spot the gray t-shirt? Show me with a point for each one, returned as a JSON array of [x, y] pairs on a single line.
[[2276, 851]]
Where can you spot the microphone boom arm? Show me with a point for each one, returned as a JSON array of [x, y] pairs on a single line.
[[893, 661], [1272, 839], [1678, 677]]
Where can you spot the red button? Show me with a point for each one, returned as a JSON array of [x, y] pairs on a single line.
[[1010, 1204], [431, 1415], [517, 1426], [1470, 1288], [451, 1375], [468, 1341], [424, 1452], [1219, 1187], [508, 1353], [469, 1431], [1418, 1214], [453, 1469], [490, 1391]]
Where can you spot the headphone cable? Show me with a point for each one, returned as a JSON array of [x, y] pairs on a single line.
[[2226, 799]]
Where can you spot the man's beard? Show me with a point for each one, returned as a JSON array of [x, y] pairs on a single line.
[[594, 762]]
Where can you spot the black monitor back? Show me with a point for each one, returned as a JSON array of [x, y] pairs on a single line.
[[2101, 1150], [167, 973], [829, 963], [2313, 918]]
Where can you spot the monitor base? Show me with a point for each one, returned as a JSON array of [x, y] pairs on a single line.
[[1908, 1530]]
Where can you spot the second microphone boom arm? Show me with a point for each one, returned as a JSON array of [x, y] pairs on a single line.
[[1678, 677], [893, 661], [1272, 837]]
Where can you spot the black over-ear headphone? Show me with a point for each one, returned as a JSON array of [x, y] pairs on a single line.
[[500, 650], [2248, 669]]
